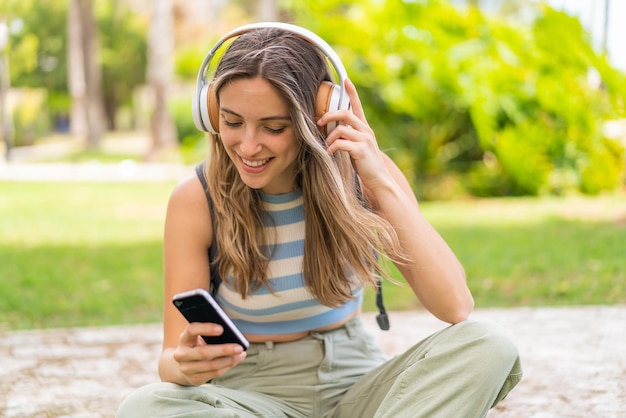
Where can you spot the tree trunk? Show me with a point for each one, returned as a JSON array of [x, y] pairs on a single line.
[[267, 11], [160, 75], [93, 74], [6, 117], [76, 72]]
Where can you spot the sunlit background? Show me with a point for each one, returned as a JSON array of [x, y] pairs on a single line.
[[506, 116]]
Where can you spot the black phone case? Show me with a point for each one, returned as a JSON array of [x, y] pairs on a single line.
[[199, 306]]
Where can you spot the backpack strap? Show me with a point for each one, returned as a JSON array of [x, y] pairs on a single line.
[[382, 319]]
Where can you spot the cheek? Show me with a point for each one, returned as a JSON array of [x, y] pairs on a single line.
[[227, 142], [224, 148], [225, 139], [289, 146]]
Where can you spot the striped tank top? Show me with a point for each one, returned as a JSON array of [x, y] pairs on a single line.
[[291, 307]]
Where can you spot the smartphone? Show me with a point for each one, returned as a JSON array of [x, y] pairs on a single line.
[[199, 306]]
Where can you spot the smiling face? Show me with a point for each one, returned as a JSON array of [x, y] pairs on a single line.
[[258, 134]]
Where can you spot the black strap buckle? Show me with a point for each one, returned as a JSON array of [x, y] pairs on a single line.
[[383, 321], [381, 318]]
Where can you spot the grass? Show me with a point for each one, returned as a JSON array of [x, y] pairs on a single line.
[[534, 252], [74, 254], [80, 253]]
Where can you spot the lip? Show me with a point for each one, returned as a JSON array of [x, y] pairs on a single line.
[[254, 166]]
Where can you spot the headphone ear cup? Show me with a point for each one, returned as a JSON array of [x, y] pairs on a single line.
[[328, 97], [196, 109], [205, 110], [322, 103], [213, 110], [202, 117]]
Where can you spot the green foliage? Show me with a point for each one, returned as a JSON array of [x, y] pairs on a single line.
[[23, 57], [180, 109], [188, 61], [193, 144], [38, 51], [123, 53], [29, 105], [506, 105], [601, 169]]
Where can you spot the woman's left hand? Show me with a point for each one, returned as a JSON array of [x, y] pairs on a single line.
[[354, 135]]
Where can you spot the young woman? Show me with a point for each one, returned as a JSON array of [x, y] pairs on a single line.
[[299, 207]]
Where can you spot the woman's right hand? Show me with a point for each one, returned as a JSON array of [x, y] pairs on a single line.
[[200, 362]]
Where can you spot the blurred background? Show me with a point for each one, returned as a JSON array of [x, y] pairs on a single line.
[[491, 97], [507, 116]]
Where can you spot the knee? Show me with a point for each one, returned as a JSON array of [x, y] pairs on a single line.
[[489, 341], [143, 400], [497, 356]]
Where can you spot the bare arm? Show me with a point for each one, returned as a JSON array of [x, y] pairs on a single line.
[[185, 358], [434, 273]]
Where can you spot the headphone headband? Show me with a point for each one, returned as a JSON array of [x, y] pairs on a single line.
[[200, 104]]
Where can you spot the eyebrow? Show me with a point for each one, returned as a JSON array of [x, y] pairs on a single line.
[[267, 118]]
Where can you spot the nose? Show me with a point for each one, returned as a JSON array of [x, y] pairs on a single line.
[[249, 145]]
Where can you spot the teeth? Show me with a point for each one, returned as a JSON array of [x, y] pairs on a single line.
[[255, 163]]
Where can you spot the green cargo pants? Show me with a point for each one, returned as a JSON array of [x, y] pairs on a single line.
[[460, 371]]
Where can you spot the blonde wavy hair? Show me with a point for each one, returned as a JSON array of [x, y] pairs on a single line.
[[343, 236]]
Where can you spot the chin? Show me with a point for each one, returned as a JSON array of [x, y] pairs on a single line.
[[256, 185]]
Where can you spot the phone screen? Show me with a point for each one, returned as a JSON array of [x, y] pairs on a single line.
[[199, 306]]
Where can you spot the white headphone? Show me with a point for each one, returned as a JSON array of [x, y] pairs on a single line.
[[330, 96]]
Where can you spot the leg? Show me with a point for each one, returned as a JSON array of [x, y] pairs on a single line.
[[239, 393], [463, 370], [300, 379], [169, 400]]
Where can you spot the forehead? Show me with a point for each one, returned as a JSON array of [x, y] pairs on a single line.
[[252, 97]]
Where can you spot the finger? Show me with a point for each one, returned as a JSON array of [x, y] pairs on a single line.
[[189, 337], [220, 350], [344, 117], [355, 149], [219, 371], [355, 101], [340, 133], [360, 132], [205, 353], [210, 364], [201, 372]]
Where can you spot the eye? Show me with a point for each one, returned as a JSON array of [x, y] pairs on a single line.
[[275, 131], [231, 124]]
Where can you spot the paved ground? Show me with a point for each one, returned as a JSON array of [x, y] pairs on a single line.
[[93, 171], [26, 162], [574, 362]]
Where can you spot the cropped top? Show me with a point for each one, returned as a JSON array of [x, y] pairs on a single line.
[[289, 306]]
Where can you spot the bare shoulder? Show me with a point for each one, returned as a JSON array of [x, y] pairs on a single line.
[[188, 210], [189, 191]]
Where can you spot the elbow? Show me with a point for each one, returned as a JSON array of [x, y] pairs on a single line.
[[464, 303], [461, 312]]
